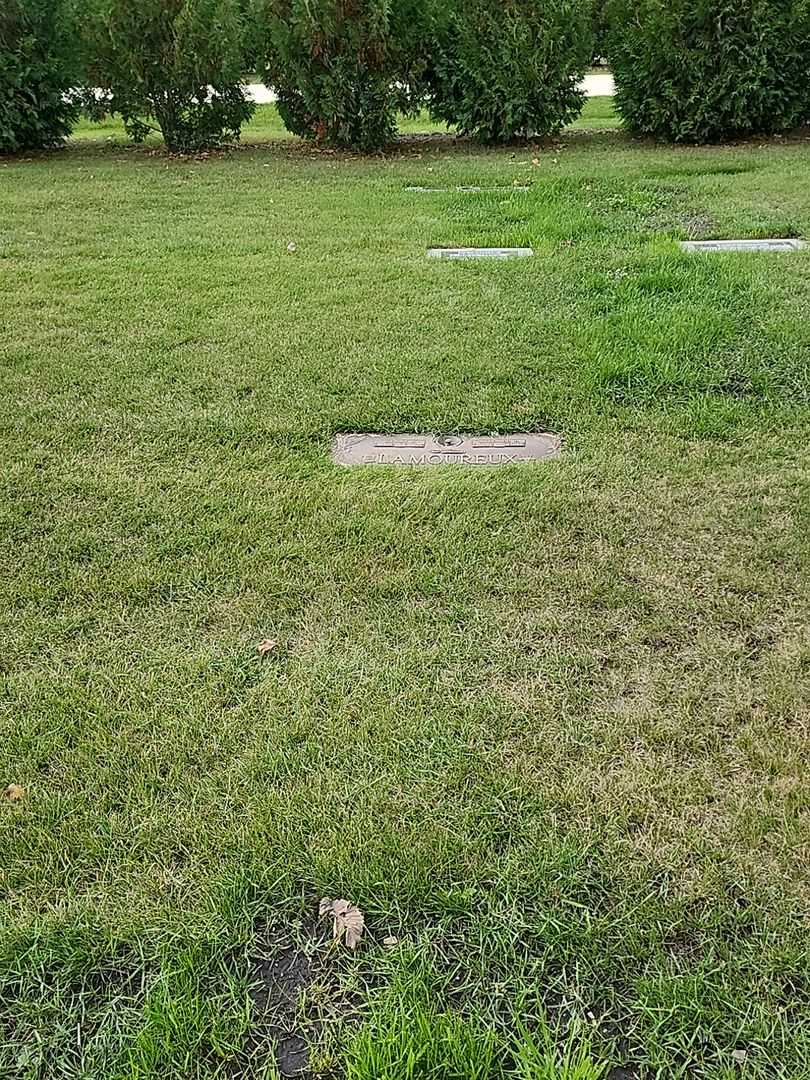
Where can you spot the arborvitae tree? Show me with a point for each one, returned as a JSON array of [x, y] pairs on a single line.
[[706, 70], [38, 67], [172, 65]]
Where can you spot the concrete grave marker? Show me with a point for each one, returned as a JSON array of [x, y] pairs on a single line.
[[480, 253], [443, 449], [471, 190], [742, 245]]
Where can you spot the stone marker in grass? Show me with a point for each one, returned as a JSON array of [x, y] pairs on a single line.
[[742, 245], [472, 190], [417, 449], [479, 253]]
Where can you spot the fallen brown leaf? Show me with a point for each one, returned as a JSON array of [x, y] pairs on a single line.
[[266, 646], [14, 792], [348, 923]]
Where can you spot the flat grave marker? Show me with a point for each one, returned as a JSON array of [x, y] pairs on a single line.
[[468, 190], [480, 253], [742, 245], [415, 449]]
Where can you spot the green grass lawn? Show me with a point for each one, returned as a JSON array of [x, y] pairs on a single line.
[[547, 725], [266, 125]]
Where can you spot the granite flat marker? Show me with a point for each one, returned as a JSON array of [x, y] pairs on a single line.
[[480, 253], [742, 245]]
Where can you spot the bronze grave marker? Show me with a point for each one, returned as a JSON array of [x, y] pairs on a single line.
[[369, 449]]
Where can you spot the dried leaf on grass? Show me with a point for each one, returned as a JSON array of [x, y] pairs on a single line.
[[14, 793], [348, 923], [266, 646]]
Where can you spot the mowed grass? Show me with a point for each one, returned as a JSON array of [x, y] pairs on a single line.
[[266, 125], [546, 725]]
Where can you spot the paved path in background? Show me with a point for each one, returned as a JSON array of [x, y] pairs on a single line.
[[260, 94], [600, 85]]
